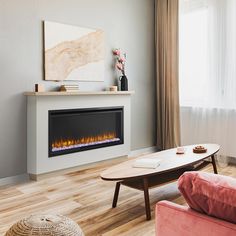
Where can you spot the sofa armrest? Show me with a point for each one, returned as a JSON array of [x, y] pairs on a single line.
[[172, 219]]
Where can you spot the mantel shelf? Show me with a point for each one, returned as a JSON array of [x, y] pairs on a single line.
[[80, 93]]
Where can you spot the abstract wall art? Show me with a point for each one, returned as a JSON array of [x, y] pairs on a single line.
[[73, 53]]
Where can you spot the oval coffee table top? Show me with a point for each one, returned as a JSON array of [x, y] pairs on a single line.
[[169, 160]]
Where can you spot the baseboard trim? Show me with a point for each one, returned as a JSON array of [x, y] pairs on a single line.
[[14, 179], [232, 160], [143, 151]]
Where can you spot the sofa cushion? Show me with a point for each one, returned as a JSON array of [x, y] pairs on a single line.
[[211, 194]]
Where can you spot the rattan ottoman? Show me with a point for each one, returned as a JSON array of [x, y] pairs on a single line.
[[45, 225]]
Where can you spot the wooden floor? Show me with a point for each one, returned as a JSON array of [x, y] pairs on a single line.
[[87, 199]]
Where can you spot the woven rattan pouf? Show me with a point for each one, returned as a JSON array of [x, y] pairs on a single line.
[[45, 225]]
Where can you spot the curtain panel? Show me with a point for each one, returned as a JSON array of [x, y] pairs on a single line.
[[208, 73], [209, 125], [167, 71]]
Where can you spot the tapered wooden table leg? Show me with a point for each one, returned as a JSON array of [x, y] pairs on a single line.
[[214, 164], [116, 194], [146, 198]]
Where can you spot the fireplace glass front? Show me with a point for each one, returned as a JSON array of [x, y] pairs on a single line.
[[84, 129]]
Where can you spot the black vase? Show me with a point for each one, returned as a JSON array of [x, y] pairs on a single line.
[[123, 83]]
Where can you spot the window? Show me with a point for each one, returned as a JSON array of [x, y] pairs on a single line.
[[207, 47]]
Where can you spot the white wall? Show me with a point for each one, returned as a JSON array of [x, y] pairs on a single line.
[[128, 24]]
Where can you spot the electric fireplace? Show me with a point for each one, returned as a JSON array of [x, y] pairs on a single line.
[[75, 130]]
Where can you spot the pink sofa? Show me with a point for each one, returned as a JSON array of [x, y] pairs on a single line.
[[176, 220], [212, 199]]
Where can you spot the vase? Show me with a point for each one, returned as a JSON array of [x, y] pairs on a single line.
[[123, 83]]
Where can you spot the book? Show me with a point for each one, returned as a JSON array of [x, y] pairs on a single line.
[[149, 163], [69, 88]]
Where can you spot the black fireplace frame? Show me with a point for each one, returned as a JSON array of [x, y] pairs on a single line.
[[119, 109]]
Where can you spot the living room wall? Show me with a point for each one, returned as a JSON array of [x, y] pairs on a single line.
[[127, 24]]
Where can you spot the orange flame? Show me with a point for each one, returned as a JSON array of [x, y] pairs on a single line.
[[63, 143]]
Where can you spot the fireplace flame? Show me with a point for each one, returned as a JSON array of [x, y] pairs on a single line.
[[85, 141]]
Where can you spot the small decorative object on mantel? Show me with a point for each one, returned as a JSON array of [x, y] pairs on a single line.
[[120, 65], [199, 149], [69, 88], [113, 88], [180, 150], [39, 88]]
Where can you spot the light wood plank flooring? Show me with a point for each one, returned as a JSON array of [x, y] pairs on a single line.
[[84, 197]]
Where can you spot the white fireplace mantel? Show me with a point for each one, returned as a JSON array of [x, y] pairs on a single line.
[[80, 93], [38, 105]]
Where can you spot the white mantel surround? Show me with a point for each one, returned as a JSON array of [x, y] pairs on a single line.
[[38, 105]]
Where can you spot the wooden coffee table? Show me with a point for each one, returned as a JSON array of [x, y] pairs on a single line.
[[172, 165]]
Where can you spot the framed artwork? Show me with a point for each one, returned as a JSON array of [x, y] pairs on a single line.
[[73, 53]]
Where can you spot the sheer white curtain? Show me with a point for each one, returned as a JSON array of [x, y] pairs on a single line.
[[208, 72]]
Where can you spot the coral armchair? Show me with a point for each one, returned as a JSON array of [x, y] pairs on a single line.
[[173, 219]]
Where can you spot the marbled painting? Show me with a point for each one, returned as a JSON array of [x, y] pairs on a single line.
[[73, 53]]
